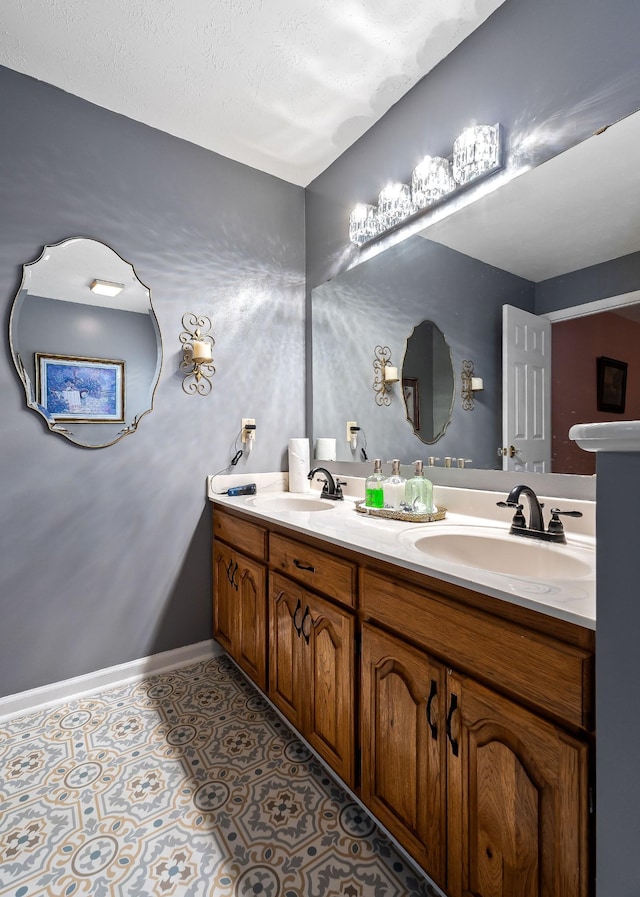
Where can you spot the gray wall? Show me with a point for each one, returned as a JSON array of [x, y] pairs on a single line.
[[105, 553], [561, 70], [612, 278]]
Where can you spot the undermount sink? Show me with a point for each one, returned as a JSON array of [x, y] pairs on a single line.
[[290, 503], [501, 552]]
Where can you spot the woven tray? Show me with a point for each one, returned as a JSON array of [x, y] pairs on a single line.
[[408, 516]]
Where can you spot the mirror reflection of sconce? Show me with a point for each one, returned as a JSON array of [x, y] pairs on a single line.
[[470, 386], [384, 375], [197, 348]]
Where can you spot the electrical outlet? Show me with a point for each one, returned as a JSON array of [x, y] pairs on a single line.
[[248, 434], [350, 423]]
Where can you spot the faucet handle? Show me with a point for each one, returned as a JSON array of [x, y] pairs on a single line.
[[555, 524], [518, 518]]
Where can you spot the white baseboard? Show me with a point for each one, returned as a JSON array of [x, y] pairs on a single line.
[[135, 670]]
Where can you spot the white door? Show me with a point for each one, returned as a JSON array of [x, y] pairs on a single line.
[[526, 391]]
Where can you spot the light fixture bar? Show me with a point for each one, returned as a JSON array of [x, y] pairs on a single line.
[[477, 153], [106, 287]]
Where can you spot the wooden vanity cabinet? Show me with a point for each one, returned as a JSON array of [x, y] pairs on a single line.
[[240, 595], [475, 716], [312, 651], [490, 797]]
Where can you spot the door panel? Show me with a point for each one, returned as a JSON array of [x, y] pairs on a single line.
[[285, 648], [517, 794], [224, 597], [251, 646], [403, 741], [526, 391], [330, 684]]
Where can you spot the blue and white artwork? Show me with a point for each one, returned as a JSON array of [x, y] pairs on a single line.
[[83, 389]]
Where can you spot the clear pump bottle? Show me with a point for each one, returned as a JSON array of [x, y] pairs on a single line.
[[373, 494], [394, 488], [419, 491]]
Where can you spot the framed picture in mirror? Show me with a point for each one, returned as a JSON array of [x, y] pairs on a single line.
[[90, 390], [612, 384], [410, 392]]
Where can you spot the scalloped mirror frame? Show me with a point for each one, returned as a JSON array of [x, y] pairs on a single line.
[[55, 315]]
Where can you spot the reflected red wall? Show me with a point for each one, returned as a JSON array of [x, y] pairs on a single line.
[[575, 346]]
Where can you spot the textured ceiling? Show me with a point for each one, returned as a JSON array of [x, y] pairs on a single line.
[[284, 86]]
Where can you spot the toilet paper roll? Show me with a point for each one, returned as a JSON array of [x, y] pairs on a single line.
[[325, 449], [299, 465]]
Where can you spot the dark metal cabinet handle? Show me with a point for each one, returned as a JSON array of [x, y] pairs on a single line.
[[298, 628], [229, 569], [432, 694], [233, 578], [452, 708], [301, 566]]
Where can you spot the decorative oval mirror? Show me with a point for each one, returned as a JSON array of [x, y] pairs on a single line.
[[427, 382], [85, 341]]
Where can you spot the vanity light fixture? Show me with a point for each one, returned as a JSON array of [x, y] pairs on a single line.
[[105, 287], [470, 386], [431, 181], [477, 153], [394, 205], [384, 375], [197, 348]]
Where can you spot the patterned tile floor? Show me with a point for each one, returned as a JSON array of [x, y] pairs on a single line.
[[186, 784]]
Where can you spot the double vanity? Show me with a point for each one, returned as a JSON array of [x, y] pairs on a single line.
[[443, 670]]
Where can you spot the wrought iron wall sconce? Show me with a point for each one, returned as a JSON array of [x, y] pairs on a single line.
[[197, 349], [384, 375], [470, 386]]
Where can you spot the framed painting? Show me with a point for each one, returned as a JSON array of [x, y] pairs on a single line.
[[612, 384], [410, 392], [88, 390]]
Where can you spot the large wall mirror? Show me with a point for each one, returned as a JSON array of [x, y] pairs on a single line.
[[86, 342], [558, 240]]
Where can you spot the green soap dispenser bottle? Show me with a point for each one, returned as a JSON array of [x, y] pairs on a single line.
[[419, 492], [373, 494]]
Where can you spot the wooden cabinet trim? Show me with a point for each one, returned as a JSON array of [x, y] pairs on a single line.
[[314, 567], [243, 534], [551, 676]]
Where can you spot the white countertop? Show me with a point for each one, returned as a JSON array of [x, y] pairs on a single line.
[[391, 540]]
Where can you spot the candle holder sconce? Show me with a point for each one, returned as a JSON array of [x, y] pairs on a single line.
[[197, 349], [384, 374], [469, 386]]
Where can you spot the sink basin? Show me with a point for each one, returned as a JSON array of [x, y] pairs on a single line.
[[501, 552], [290, 503]]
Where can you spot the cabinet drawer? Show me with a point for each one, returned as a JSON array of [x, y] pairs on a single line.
[[248, 537], [316, 568], [551, 675]]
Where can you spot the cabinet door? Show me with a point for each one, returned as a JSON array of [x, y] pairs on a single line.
[[224, 597], [286, 609], [250, 648], [518, 814], [240, 609], [403, 746], [329, 649]]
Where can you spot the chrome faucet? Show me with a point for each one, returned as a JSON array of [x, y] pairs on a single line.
[[535, 529], [332, 488]]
